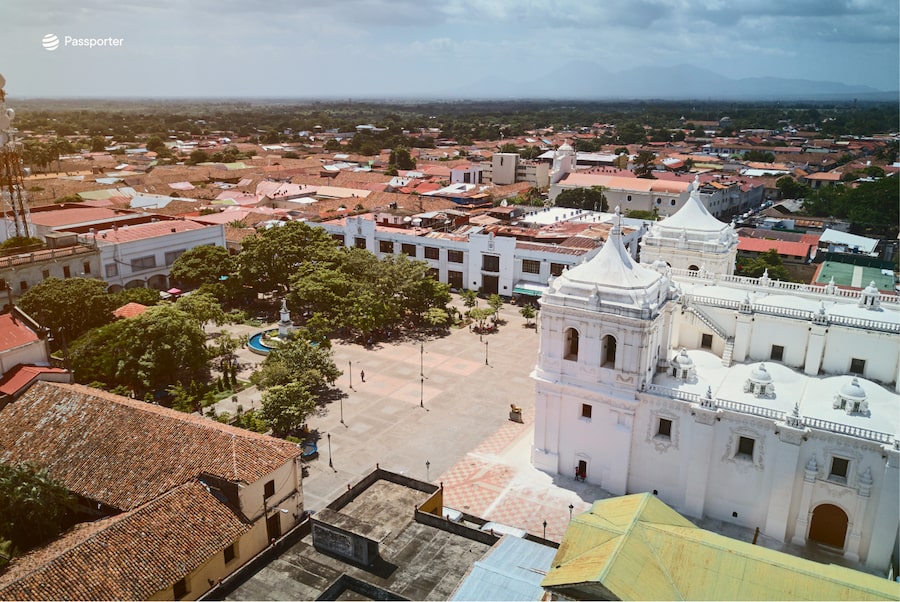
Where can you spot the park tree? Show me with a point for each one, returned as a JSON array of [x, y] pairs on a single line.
[[643, 165], [285, 408], [34, 508], [69, 307], [589, 199], [270, 259], [144, 296], [147, 353], [202, 307], [298, 360], [495, 302], [205, 264], [509, 147], [528, 313], [791, 188], [469, 298]]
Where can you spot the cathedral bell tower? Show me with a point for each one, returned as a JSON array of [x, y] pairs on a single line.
[[604, 326]]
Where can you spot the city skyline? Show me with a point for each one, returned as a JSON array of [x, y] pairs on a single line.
[[453, 49]]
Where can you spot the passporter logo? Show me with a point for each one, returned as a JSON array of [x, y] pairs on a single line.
[[51, 42]]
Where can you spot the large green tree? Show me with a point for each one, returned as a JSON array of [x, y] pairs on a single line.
[[147, 353], [591, 199], [270, 259], [298, 360], [33, 507], [364, 294], [768, 262], [286, 407], [69, 307], [643, 165], [401, 158], [205, 264]]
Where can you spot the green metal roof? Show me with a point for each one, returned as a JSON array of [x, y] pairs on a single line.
[[637, 548]]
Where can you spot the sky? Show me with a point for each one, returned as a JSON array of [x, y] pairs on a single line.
[[427, 48]]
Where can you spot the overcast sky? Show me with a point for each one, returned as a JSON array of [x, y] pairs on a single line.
[[370, 48]]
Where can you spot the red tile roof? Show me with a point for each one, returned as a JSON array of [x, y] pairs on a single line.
[[18, 377], [761, 245], [124, 452], [14, 333], [130, 310], [131, 556]]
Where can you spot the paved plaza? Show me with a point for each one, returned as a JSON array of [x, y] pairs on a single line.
[[453, 427]]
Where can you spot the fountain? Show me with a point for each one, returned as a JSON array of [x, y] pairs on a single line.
[[265, 341]]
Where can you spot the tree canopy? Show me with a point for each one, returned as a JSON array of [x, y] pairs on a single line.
[[298, 360], [286, 407], [202, 265], [591, 199], [144, 354], [872, 206], [270, 259], [34, 508], [70, 307], [358, 291], [769, 262]]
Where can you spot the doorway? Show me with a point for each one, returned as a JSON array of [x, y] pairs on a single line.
[[829, 526]]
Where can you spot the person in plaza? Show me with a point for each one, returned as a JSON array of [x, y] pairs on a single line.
[[362, 375]]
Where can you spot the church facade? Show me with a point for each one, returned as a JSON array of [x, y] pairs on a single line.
[[763, 403]]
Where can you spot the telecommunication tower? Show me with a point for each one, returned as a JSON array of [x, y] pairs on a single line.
[[13, 203]]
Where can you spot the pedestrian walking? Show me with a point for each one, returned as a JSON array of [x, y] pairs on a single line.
[[362, 375]]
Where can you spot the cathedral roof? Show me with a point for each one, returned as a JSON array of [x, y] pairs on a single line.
[[693, 220]]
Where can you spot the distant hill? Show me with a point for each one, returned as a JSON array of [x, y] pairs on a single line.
[[590, 81]]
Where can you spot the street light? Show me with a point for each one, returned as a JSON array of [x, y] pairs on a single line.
[[351, 374], [571, 507], [486, 354], [427, 470], [422, 359], [341, 398], [421, 391], [331, 465], [545, 529]]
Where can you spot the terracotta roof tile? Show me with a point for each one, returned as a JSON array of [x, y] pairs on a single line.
[[123, 452], [18, 377], [130, 310], [131, 556]]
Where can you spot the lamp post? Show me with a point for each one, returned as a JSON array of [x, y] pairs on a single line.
[[341, 398], [486, 354], [427, 470], [571, 507], [421, 391], [545, 529], [422, 359], [331, 465], [350, 373]]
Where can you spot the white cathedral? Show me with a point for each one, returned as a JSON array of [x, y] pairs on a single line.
[[762, 403]]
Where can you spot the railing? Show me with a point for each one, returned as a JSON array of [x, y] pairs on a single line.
[[787, 312], [746, 408], [846, 429], [818, 290], [45, 255], [710, 323]]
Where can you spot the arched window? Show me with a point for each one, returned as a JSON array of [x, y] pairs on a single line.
[[658, 201], [672, 202], [693, 268], [608, 351], [628, 198], [571, 350]]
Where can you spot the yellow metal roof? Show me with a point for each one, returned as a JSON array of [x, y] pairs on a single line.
[[638, 548]]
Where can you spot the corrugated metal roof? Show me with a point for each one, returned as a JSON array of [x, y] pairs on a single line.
[[638, 548], [511, 570]]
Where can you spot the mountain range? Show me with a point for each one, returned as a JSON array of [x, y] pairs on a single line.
[[585, 80]]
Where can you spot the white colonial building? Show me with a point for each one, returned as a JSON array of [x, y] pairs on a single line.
[[766, 404]]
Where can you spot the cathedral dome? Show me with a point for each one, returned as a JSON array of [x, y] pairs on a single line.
[[611, 277], [853, 390], [694, 223]]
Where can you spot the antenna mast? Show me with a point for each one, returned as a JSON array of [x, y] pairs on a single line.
[[12, 179]]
